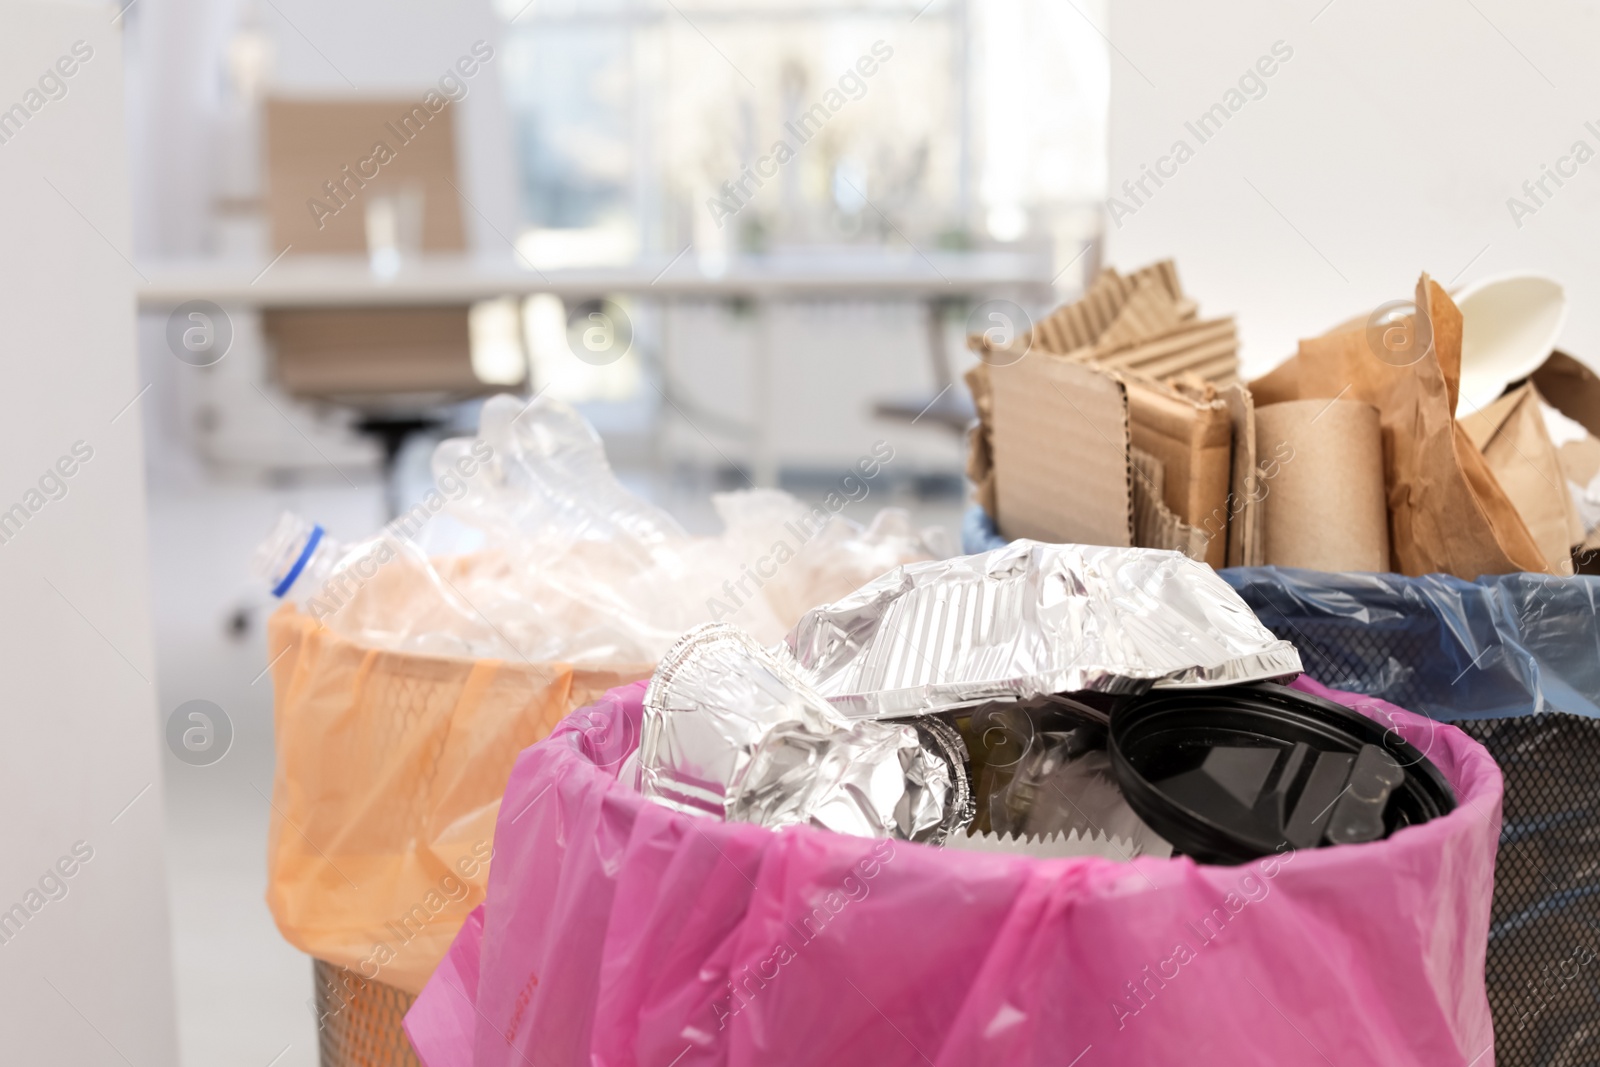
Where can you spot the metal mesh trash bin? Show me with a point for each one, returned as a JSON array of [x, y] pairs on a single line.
[[1513, 660], [358, 1021], [1544, 937]]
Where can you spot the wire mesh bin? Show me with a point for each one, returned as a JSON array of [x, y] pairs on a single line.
[[1512, 660], [358, 1021], [1544, 937]]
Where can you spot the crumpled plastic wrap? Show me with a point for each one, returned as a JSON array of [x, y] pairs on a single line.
[[529, 548], [1032, 619], [1502, 646], [730, 730]]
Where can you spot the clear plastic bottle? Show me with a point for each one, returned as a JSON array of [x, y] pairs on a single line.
[[297, 558]]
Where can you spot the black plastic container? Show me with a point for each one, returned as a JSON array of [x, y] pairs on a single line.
[[1235, 773]]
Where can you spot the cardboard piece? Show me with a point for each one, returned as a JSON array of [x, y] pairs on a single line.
[[1060, 452], [1324, 508], [1511, 435], [1244, 501], [1080, 324], [1193, 441], [311, 143], [1447, 511], [1154, 524], [1206, 349], [1140, 332], [980, 457]]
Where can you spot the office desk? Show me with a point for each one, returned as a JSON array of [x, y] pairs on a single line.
[[936, 279]]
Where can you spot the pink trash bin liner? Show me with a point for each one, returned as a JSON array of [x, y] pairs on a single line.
[[617, 932]]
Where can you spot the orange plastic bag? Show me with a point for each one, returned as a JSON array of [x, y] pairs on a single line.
[[390, 770]]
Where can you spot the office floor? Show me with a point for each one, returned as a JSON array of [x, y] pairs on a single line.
[[242, 991]]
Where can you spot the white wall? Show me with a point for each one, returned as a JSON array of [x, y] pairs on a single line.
[[1387, 145], [87, 980]]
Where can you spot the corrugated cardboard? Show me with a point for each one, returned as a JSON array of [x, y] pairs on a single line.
[[1193, 441], [1154, 524], [1447, 511], [1206, 349], [1512, 437], [1060, 449], [352, 353], [310, 143], [1082, 323], [1140, 331], [1143, 323]]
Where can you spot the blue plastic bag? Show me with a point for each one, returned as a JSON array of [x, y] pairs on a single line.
[[1502, 646]]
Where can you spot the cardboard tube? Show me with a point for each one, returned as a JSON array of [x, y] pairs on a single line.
[[1320, 482]]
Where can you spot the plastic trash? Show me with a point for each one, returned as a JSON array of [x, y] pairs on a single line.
[[412, 666], [1502, 646], [530, 548], [620, 932], [1242, 772]]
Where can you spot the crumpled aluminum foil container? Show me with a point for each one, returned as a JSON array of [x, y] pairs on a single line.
[[1032, 619], [731, 730]]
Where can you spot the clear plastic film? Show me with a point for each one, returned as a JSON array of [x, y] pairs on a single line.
[[1502, 646], [550, 558]]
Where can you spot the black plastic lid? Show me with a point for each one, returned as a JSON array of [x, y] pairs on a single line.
[[1232, 774]]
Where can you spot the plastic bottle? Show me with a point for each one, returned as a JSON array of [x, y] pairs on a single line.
[[297, 558]]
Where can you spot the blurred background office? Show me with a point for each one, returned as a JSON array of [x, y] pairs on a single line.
[[745, 238]]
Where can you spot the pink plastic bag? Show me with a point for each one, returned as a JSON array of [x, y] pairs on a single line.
[[617, 932]]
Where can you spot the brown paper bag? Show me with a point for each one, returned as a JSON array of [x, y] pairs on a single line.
[[1512, 437], [1447, 511]]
